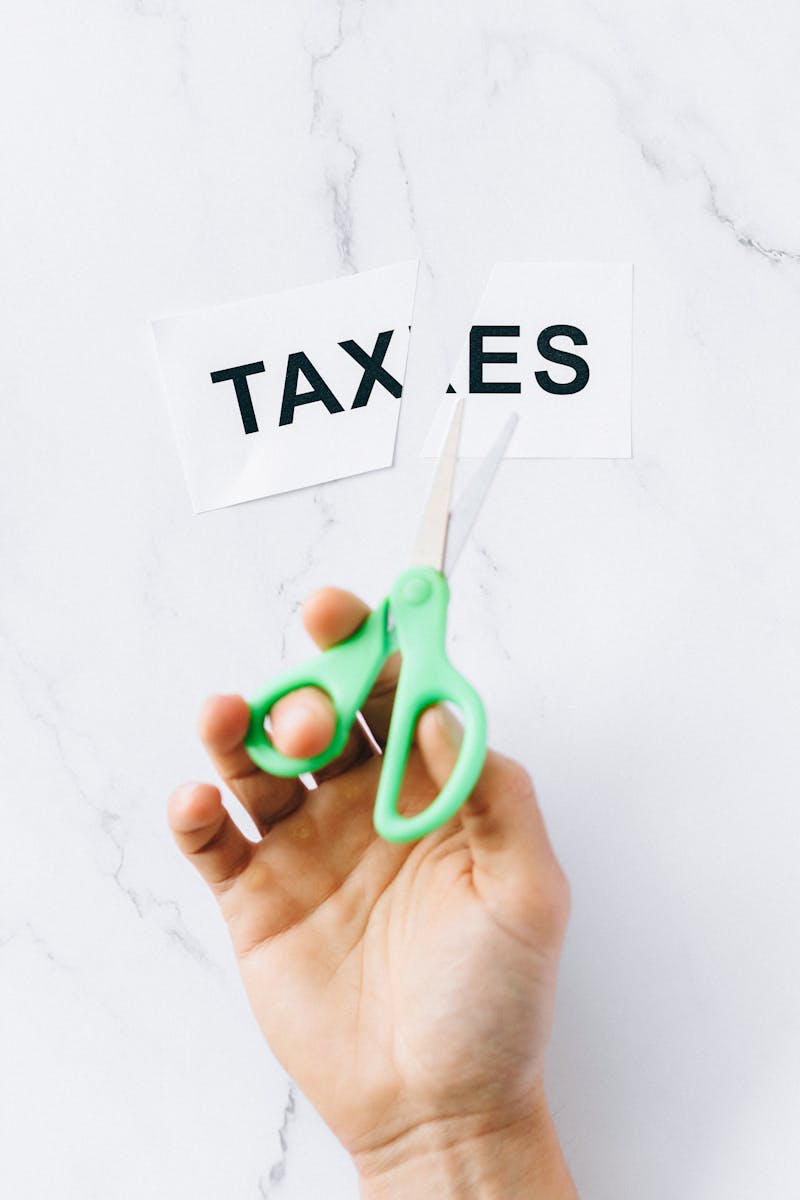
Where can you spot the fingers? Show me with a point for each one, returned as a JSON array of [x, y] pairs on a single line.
[[502, 821], [302, 724], [224, 721], [207, 835], [330, 616]]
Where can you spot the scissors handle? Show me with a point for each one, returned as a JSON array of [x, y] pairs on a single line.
[[418, 603], [346, 672]]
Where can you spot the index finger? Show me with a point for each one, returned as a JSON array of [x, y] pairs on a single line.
[[223, 724], [331, 615]]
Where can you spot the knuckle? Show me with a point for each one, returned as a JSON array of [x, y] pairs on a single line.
[[516, 779], [356, 751]]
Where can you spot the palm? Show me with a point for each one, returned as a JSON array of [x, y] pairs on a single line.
[[398, 984], [342, 944]]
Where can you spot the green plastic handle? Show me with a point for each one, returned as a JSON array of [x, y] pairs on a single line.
[[418, 604], [346, 672]]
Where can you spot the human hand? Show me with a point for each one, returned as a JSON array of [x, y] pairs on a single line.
[[408, 989]]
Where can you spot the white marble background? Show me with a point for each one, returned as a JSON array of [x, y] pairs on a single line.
[[633, 625]]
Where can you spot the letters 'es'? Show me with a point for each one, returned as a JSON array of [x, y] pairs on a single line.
[[544, 344], [371, 365]]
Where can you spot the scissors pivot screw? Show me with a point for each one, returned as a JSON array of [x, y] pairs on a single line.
[[416, 591]]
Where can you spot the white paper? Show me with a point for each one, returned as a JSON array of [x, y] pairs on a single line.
[[232, 453], [594, 300]]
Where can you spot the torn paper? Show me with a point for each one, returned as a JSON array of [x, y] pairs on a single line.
[[552, 342], [291, 389]]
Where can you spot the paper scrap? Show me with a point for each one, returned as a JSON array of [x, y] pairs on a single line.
[[552, 342], [290, 389]]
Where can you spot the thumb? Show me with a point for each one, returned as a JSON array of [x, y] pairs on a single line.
[[502, 821], [439, 736]]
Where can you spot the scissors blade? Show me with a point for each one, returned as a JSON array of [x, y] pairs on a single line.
[[471, 500], [429, 550]]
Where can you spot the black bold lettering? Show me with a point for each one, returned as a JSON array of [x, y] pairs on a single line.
[[374, 372], [478, 356], [319, 389], [553, 354], [238, 376]]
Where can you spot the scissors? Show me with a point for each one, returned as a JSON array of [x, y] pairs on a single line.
[[412, 619]]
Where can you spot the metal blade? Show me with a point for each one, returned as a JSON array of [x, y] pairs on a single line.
[[471, 500], [429, 549]]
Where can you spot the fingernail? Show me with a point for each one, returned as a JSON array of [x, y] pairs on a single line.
[[183, 807], [296, 716], [296, 724]]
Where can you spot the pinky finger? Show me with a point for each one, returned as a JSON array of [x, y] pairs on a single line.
[[207, 835]]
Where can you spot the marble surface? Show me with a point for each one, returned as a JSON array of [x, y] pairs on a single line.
[[633, 625]]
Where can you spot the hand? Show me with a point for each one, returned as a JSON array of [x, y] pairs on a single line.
[[408, 989]]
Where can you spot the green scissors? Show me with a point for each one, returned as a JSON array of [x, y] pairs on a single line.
[[412, 619]]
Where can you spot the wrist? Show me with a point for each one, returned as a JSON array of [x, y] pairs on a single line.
[[471, 1158]]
